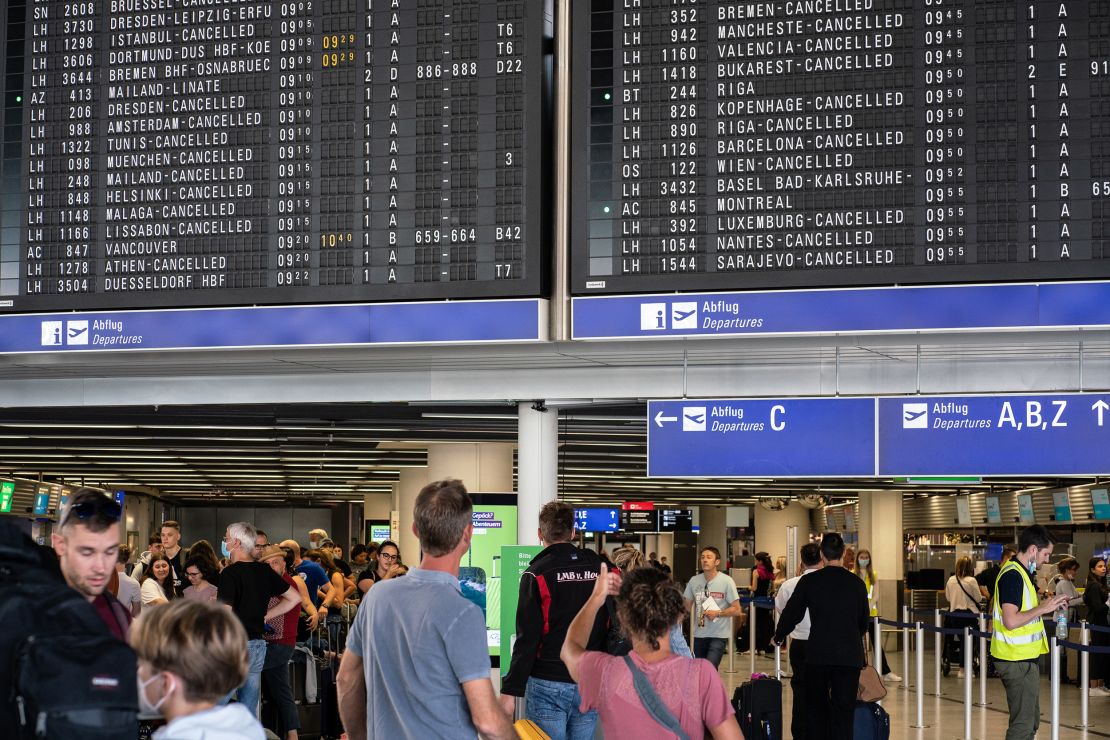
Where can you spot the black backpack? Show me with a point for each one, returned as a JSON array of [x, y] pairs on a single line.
[[62, 672]]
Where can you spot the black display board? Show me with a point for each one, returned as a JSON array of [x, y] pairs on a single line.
[[204, 152], [720, 144], [639, 521]]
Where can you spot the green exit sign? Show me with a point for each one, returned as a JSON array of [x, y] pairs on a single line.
[[943, 480], [7, 492]]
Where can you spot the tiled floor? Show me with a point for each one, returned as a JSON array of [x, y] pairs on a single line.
[[944, 715]]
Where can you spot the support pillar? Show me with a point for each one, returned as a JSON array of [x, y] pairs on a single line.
[[770, 528], [880, 531], [537, 468], [711, 532], [408, 485]]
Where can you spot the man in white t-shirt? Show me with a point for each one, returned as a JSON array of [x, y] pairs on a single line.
[[715, 595], [811, 561], [129, 590]]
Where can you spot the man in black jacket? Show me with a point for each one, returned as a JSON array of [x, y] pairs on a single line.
[[839, 616], [552, 591]]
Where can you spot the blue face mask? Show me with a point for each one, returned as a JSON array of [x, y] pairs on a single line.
[[224, 550], [1033, 564]]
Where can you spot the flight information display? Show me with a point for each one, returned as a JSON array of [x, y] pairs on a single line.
[[235, 152], [733, 144]]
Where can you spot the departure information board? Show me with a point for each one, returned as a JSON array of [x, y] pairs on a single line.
[[728, 144], [202, 152]]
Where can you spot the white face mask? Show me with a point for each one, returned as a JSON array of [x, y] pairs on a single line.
[[144, 703]]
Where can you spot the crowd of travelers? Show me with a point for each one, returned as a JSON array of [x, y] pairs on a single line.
[[186, 637]]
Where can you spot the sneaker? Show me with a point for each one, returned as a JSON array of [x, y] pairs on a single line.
[[892, 677], [960, 673], [1098, 691]]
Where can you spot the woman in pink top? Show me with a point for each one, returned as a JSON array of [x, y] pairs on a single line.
[[648, 604]]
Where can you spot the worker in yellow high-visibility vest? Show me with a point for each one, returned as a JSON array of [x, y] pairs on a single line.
[[1019, 638]]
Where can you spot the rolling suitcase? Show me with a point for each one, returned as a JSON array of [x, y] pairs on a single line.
[[871, 722], [758, 705]]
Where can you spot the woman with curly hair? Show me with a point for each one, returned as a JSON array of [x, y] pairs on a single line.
[[688, 690]]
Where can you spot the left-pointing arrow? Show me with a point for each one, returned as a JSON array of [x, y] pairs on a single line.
[[659, 419]]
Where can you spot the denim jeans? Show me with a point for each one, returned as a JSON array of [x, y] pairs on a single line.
[[710, 648], [553, 705], [250, 692]]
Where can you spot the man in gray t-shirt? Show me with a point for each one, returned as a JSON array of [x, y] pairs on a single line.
[[712, 626], [416, 664]]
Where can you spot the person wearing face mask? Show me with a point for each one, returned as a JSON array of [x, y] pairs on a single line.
[[316, 538], [866, 571], [247, 586], [191, 655], [1019, 638]]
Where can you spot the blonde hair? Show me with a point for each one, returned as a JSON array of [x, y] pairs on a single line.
[[203, 644], [964, 569], [628, 558], [869, 571]]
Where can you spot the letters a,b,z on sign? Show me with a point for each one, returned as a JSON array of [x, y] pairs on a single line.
[[808, 437], [1065, 434]]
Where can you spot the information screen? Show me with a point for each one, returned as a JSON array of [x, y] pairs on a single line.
[[639, 521], [232, 152], [728, 144]]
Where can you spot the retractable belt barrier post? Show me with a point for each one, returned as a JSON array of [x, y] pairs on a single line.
[[938, 647], [751, 634], [969, 676], [905, 647], [877, 648], [731, 645], [1054, 685], [983, 656], [778, 662], [919, 658], [1084, 648], [1084, 675]]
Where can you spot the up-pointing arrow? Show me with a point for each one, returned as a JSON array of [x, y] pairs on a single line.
[[1100, 407], [659, 419]]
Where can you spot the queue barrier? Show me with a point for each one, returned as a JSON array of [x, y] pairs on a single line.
[[752, 603], [1084, 648]]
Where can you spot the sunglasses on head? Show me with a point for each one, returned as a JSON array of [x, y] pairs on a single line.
[[101, 506]]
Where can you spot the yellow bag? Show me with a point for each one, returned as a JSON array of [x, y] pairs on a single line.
[[529, 730]]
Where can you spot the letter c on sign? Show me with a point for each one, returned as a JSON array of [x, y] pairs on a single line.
[[777, 425]]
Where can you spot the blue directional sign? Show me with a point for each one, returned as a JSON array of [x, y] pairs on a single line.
[[276, 326], [924, 308], [809, 437], [1065, 434]]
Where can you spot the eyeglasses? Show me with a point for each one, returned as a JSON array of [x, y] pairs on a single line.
[[192, 575], [101, 506], [387, 556]]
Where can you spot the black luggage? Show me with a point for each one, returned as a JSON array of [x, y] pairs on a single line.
[[758, 705], [62, 673], [871, 722]]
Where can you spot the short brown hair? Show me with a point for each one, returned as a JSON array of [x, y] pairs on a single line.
[[441, 515], [98, 519], [204, 644], [171, 524], [557, 521]]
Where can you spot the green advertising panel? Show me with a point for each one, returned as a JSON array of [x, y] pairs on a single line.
[[7, 492], [514, 561], [480, 571]]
